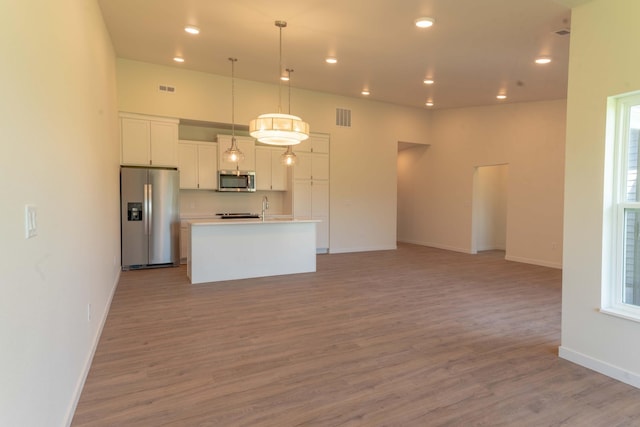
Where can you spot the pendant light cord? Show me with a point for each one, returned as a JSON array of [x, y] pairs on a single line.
[[289, 71], [281, 25], [233, 105]]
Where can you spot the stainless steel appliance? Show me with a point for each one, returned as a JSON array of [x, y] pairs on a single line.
[[150, 217], [238, 215], [237, 181]]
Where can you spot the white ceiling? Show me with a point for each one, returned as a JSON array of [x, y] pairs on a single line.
[[476, 48]]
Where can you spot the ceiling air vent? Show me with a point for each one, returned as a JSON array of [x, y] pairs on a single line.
[[167, 88], [563, 32], [343, 117]]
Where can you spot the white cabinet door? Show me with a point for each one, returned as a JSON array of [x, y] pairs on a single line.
[[245, 144], [303, 147], [320, 198], [271, 174], [198, 165], [311, 166], [315, 144], [148, 140], [188, 165], [207, 166], [164, 143], [302, 199], [135, 137], [278, 171], [319, 166], [263, 168], [320, 211], [319, 144], [302, 168]]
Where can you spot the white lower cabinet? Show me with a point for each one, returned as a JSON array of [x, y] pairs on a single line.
[[198, 165]]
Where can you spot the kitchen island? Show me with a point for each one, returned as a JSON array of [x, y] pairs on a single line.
[[223, 249]]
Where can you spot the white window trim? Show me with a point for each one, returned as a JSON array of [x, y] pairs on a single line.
[[613, 284]]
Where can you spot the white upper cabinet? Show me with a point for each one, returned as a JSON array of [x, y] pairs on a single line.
[[271, 174], [188, 165], [148, 140], [312, 166], [198, 165], [314, 144], [246, 144]]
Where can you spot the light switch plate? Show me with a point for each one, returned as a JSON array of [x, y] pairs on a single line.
[[30, 224]]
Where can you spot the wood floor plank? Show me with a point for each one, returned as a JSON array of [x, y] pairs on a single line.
[[413, 337]]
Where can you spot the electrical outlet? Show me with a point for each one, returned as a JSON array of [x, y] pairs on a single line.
[[30, 223]]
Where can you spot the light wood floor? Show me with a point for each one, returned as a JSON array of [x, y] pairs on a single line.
[[413, 337]]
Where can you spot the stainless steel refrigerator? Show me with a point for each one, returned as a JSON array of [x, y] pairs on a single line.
[[150, 217]]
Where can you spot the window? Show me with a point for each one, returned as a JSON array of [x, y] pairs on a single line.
[[622, 293]]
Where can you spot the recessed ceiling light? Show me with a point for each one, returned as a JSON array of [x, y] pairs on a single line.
[[331, 60], [429, 103], [543, 60], [425, 22], [501, 96], [365, 92], [178, 59], [428, 81], [192, 30]]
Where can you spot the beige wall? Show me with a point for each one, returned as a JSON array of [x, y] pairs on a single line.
[[59, 146], [529, 137], [363, 157], [604, 62]]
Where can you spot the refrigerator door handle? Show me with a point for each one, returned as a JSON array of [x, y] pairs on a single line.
[[147, 209]]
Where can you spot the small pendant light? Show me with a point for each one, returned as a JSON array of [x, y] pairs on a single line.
[[233, 153], [289, 157]]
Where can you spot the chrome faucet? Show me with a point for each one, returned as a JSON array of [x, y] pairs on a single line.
[[265, 206]]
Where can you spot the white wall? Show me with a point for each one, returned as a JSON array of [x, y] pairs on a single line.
[[530, 138], [603, 62], [363, 157], [60, 153]]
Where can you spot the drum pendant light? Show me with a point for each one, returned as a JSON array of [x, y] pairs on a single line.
[[279, 128]]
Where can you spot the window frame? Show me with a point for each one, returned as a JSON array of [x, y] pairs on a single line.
[[614, 288]]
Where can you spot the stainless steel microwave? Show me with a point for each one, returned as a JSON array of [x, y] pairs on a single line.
[[236, 181]]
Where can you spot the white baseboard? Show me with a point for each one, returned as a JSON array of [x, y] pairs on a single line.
[[437, 246], [87, 364], [362, 249], [599, 366], [539, 262]]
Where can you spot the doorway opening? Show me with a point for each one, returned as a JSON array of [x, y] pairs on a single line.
[[489, 212]]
